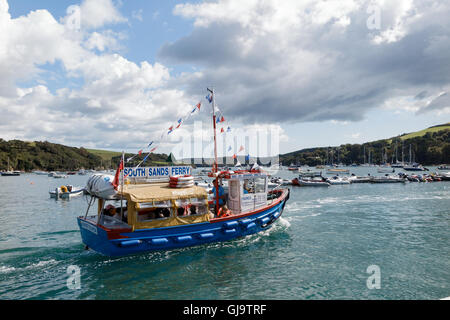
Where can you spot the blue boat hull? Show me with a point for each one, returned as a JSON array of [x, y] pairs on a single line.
[[121, 243]]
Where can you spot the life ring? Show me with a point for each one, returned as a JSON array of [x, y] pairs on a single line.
[[181, 185], [186, 177], [64, 189]]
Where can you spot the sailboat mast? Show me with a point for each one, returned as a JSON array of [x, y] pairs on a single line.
[[410, 154], [403, 147]]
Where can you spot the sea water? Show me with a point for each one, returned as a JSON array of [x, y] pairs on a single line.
[[359, 241]]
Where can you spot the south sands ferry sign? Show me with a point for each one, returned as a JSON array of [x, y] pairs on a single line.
[[157, 172]]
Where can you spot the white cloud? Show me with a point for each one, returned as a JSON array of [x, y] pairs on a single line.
[[312, 60], [117, 103], [96, 13]]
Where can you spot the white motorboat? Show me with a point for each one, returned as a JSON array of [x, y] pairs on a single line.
[[387, 179], [385, 169], [310, 182], [66, 192], [59, 176], [359, 179], [338, 180], [40, 173], [414, 167]]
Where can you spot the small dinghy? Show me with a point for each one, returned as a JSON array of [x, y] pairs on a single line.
[[66, 192]]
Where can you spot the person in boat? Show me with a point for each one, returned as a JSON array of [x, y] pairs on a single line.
[[222, 196], [114, 212], [246, 187], [180, 211], [224, 211], [110, 210]]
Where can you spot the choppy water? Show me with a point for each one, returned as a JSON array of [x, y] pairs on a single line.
[[320, 249]]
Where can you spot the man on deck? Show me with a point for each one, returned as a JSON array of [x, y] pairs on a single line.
[[222, 196]]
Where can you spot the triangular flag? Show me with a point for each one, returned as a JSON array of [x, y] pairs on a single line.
[[234, 156], [150, 144], [151, 151], [229, 148], [222, 119], [140, 152], [199, 105], [222, 131], [241, 148]]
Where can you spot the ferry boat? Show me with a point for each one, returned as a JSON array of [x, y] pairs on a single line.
[[160, 215]]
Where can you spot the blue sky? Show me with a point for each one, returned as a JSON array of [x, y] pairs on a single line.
[[315, 71]]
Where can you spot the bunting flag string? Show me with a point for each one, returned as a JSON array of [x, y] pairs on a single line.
[[166, 133]]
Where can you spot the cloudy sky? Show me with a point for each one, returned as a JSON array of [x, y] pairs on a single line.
[[112, 74]]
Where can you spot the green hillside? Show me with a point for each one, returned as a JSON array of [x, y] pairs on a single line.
[[425, 131], [429, 146], [37, 155], [105, 155], [48, 156]]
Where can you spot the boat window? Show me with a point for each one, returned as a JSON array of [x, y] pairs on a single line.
[[249, 186], [198, 207], [190, 207], [157, 210], [112, 223], [260, 185], [234, 189]]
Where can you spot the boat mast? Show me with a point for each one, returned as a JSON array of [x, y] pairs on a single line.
[[121, 191], [364, 154], [215, 165], [410, 154], [403, 147]]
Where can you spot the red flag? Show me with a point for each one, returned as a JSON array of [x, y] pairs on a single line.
[[178, 125], [222, 119], [140, 152], [115, 183], [153, 149], [198, 105], [222, 131], [241, 148]]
